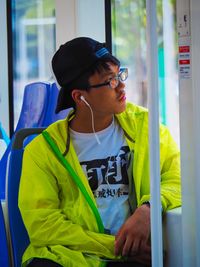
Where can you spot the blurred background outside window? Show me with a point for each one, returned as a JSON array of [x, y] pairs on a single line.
[[33, 33], [129, 44]]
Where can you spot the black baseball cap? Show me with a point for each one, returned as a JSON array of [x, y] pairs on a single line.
[[72, 60]]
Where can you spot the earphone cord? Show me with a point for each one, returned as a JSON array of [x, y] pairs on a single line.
[[96, 136]]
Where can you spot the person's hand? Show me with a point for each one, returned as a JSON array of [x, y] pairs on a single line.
[[132, 238]]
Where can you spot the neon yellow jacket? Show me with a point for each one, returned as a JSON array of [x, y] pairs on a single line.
[[60, 223]]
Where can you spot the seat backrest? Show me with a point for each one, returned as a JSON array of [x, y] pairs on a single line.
[[18, 236], [34, 106], [51, 116], [33, 113], [4, 255]]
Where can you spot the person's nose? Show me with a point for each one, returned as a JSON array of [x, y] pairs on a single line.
[[120, 86]]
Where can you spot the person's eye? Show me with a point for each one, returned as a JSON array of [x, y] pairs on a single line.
[[108, 80], [111, 77]]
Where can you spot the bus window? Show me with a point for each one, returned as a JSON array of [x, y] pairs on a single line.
[[33, 34], [129, 44]]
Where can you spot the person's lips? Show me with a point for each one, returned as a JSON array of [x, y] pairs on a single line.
[[122, 97]]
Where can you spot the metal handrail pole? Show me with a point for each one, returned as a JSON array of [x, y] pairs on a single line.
[[154, 144]]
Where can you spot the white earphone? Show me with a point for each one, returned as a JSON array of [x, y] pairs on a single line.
[[87, 104], [83, 99]]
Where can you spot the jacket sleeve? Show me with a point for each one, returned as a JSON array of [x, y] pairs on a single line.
[[169, 172], [46, 223]]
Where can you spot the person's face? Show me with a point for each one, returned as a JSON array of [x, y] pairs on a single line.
[[105, 100]]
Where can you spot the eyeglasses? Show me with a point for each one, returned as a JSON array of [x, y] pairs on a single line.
[[114, 82]]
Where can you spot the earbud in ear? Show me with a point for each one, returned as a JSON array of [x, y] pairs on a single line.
[[83, 99]]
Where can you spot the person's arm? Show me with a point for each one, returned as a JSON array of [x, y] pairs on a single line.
[[169, 171], [46, 223], [132, 238]]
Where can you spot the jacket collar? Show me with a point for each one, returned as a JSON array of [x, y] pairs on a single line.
[[72, 114]]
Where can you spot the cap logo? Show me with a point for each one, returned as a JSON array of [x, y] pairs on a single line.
[[101, 52]]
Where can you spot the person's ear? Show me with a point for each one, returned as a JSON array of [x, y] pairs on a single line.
[[76, 95]]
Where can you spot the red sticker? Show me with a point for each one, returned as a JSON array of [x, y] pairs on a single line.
[[184, 62], [184, 49]]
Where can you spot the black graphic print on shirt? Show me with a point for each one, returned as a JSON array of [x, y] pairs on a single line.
[[109, 177]]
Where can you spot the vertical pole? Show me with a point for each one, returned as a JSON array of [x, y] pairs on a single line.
[[188, 25], [153, 104], [4, 79], [195, 42]]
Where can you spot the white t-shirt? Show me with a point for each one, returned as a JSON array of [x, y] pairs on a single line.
[[107, 167]]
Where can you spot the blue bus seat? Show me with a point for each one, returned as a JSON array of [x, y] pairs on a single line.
[[18, 235], [51, 116], [34, 107], [33, 113], [4, 255]]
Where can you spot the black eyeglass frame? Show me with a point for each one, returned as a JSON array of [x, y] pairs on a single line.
[[118, 77]]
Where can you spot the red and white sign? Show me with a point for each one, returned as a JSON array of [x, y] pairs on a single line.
[[184, 49], [184, 62]]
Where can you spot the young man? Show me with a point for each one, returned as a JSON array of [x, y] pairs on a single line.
[[85, 191]]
